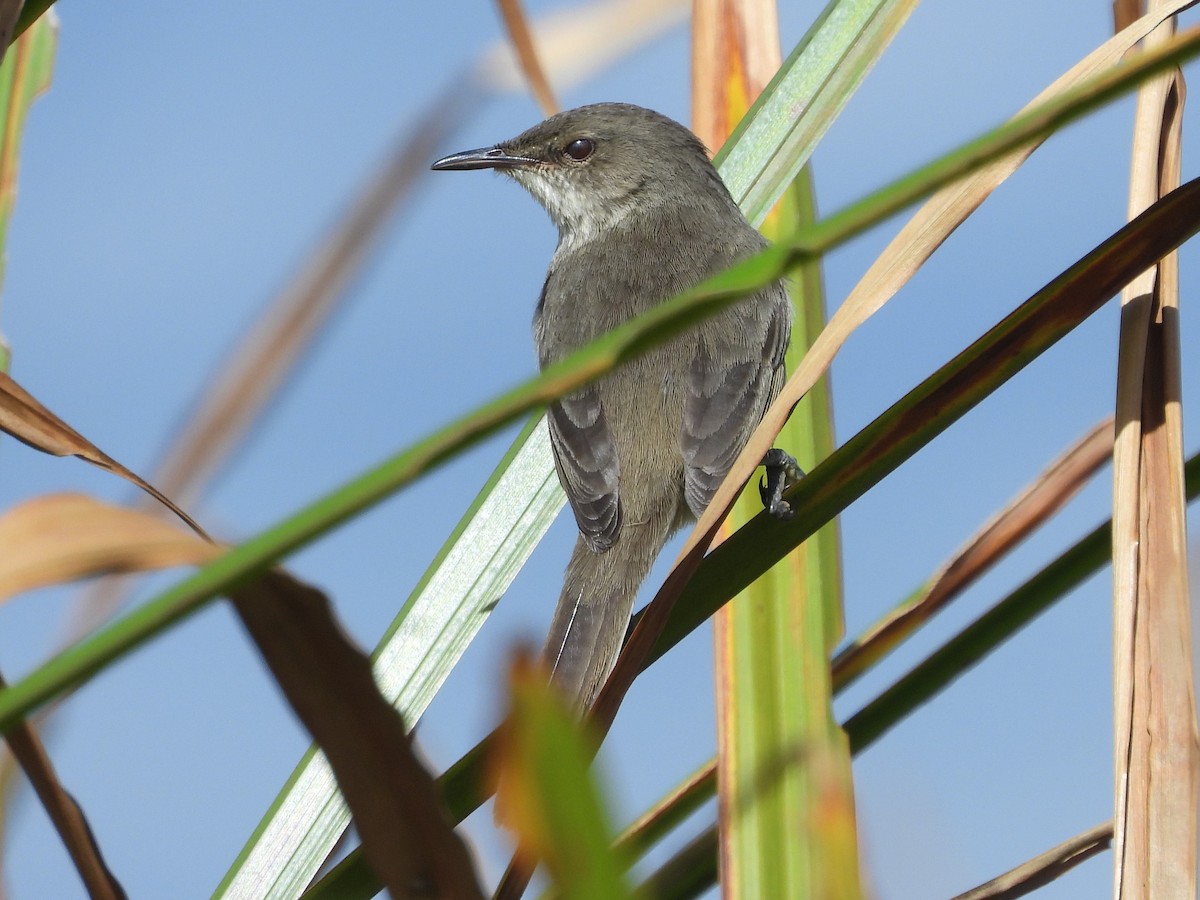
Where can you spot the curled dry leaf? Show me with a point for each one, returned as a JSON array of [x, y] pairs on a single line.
[[64, 537], [26, 419]]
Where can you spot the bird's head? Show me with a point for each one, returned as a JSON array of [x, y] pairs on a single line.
[[591, 166]]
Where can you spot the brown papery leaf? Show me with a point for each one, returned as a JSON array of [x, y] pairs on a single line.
[[26, 419], [735, 54], [1125, 13], [64, 537], [1157, 751], [59, 538], [406, 834]]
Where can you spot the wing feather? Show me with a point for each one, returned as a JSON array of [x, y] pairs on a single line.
[[586, 458], [726, 401]]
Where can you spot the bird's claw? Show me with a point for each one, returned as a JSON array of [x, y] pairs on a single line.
[[782, 472]]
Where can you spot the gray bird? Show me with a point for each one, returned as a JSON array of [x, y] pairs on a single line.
[[642, 215]]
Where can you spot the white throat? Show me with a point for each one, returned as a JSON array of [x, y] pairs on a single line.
[[576, 214]]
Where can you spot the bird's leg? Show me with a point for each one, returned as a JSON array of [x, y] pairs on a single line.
[[782, 473]]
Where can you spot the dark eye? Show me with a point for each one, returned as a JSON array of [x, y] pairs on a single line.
[[579, 149]]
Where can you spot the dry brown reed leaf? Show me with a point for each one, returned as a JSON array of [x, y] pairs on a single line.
[[1045, 867], [1011, 525], [60, 538], [1125, 13], [521, 37], [1157, 751], [26, 419]]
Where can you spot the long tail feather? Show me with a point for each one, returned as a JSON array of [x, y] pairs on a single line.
[[594, 609]]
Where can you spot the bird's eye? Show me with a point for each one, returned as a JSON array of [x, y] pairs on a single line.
[[579, 149]]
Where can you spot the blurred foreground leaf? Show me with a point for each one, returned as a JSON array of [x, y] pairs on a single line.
[[58, 538], [408, 842], [547, 790]]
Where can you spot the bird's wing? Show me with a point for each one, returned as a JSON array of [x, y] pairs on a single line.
[[586, 458], [728, 389]]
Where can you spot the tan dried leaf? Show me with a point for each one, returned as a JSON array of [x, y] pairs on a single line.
[[26, 419], [64, 537]]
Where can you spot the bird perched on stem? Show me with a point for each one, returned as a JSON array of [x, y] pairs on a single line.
[[642, 215]]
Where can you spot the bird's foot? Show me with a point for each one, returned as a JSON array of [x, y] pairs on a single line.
[[782, 473]]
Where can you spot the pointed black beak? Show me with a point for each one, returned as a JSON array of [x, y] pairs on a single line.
[[483, 158]]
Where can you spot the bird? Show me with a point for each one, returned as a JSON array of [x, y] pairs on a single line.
[[642, 215]]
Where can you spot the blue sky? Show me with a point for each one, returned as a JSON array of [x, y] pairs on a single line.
[[187, 158]]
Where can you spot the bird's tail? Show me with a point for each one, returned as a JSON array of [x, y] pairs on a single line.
[[593, 612]]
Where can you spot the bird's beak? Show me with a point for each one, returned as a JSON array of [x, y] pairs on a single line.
[[483, 158]]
